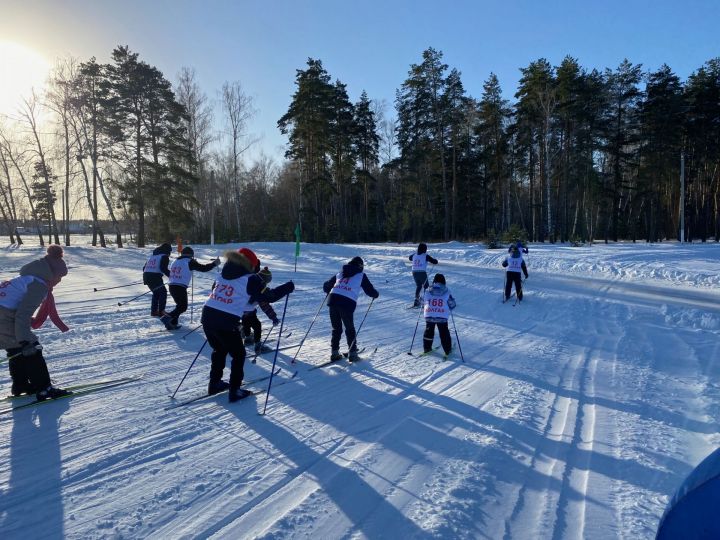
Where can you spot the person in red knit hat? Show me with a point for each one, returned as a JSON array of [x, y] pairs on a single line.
[[19, 298], [236, 291]]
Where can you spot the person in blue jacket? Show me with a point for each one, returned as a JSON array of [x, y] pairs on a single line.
[[344, 289]]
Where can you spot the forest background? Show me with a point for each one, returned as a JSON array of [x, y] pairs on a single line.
[[118, 150]]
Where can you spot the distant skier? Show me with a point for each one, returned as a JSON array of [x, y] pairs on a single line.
[[153, 271], [344, 289], [518, 244], [19, 298], [234, 292], [181, 271], [514, 264], [437, 303], [420, 261], [252, 327]]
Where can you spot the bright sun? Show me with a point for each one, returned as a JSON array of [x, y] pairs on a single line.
[[21, 70]]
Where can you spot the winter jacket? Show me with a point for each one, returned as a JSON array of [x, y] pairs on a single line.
[[152, 278], [523, 267], [343, 302], [15, 324], [237, 266], [438, 290]]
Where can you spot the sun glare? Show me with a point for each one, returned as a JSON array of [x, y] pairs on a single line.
[[21, 70]]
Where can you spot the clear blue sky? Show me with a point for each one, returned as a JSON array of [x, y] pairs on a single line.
[[370, 44]]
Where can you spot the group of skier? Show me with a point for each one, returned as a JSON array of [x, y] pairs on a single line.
[[229, 316]]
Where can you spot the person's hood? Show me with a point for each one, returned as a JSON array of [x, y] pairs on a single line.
[[437, 289], [349, 270], [39, 268], [236, 265], [163, 249], [515, 254]]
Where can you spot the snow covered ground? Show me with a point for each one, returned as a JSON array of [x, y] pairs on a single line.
[[575, 414]]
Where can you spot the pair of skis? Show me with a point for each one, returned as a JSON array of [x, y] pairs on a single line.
[[76, 390], [246, 383]]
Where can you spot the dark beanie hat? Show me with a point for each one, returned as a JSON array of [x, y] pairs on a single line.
[[422, 248], [54, 259], [266, 275], [55, 252], [165, 249], [357, 261], [439, 278], [187, 250]]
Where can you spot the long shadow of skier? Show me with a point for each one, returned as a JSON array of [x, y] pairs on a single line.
[[35, 474]]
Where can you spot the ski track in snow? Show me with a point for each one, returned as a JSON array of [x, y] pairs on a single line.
[[576, 414]]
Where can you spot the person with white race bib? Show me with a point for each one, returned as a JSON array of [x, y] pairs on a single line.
[[153, 271], [515, 265], [235, 291], [437, 303], [344, 289], [420, 261], [181, 271]]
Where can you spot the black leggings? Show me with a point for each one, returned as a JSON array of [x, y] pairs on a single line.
[[251, 323]]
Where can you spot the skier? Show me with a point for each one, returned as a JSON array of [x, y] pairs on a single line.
[[181, 271], [518, 244], [343, 289], [19, 298], [514, 264], [420, 261], [437, 305], [153, 271], [233, 293], [252, 327]]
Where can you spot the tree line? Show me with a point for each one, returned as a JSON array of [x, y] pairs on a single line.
[[580, 154]]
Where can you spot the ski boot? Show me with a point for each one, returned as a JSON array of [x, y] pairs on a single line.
[[353, 356], [52, 393], [236, 394], [217, 387], [335, 355], [262, 349]]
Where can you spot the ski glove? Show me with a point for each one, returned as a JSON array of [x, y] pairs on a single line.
[[29, 349], [275, 322], [216, 262]]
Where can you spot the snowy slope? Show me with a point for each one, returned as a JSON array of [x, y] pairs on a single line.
[[575, 414]]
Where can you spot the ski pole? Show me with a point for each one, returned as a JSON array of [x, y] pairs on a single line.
[[191, 331], [257, 353], [192, 296], [188, 370], [141, 295], [277, 349], [308, 330], [95, 289], [415, 332], [457, 338], [361, 325]]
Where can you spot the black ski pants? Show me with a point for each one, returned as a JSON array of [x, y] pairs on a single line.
[[339, 317], [179, 295], [510, 278], [159, 294], [251, 323], [429, 336], [421, 282], [224, 342], [28, 373]]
